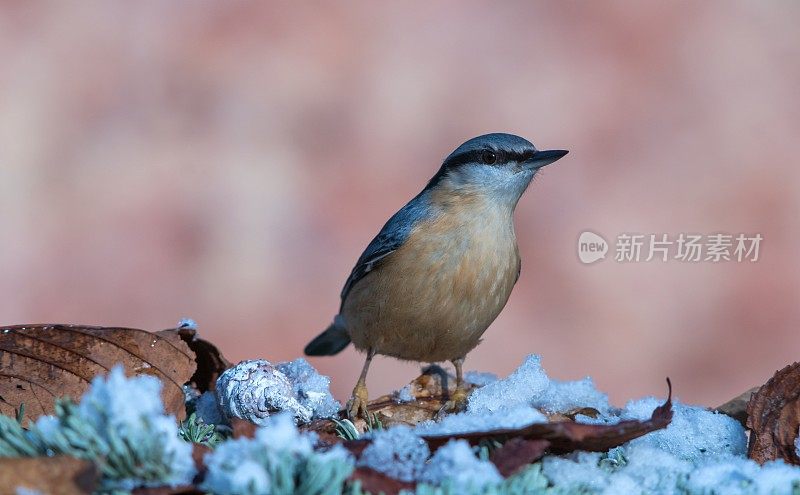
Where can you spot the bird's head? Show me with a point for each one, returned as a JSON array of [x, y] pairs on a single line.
[[498, 166]]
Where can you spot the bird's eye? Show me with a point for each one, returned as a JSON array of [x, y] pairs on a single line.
[[488, 157]]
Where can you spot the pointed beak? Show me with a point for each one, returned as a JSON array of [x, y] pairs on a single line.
[[542, 158]]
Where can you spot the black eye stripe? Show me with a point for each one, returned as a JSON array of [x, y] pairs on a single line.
[[475, 156]]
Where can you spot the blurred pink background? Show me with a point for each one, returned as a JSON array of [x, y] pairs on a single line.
[[228, 162]]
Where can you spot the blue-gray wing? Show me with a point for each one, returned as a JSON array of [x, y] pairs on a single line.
[[388, 240]]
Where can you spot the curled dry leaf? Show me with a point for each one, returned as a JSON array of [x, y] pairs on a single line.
[[210, 362], [374, 482], [773, 415], [39, 363], [52, 475], [517, 453], [567, 436]]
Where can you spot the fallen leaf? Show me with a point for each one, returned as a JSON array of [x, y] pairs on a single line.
[[210, 362], [39, 363], [773, 416], [169, 490], [517, 453], [198, 453], [243, 428], [374, 482], [52, 475], [567, 436]]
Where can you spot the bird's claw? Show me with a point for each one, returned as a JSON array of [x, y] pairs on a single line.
[[357, 405], [456, 404]]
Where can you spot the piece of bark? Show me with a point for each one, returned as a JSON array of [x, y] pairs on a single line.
[[59, 475], [773, 416], [737, 407], [39, 363]]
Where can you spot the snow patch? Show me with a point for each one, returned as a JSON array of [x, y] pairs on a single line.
[[397, 452], [456, 464]]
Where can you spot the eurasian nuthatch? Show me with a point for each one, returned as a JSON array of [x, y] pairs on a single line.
[[442, 268]]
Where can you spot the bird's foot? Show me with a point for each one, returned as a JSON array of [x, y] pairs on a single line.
[[357, 405], [456, 404]]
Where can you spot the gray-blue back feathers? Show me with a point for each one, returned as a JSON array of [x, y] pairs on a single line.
[[393, 234]]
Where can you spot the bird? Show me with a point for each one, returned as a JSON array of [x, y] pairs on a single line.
[[442, 268]]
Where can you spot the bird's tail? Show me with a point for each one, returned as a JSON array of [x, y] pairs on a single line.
[[331, 341]]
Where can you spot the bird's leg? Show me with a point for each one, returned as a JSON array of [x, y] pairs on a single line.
[[459, 396], [458, 399], [357, 405]]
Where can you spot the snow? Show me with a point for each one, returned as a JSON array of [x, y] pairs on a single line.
[[281, 433], [187, 323], [397, 452], [21, 490], [456, 464], [132, 407], [479, 378], [405, 394], [694, 433], [700, 452], [255, 389], [311, 389], [737, 475], [529, 385], [465, 422], [797, 443]]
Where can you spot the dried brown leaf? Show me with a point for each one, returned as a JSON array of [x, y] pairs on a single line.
[[243, 428], [567, 436], [517, 453], [52, 475], [210, 362], [374, 482], [170, 490], [39, 363], [773, 415]]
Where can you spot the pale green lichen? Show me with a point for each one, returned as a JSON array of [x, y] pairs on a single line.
[[278, 460], [119, 424]]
